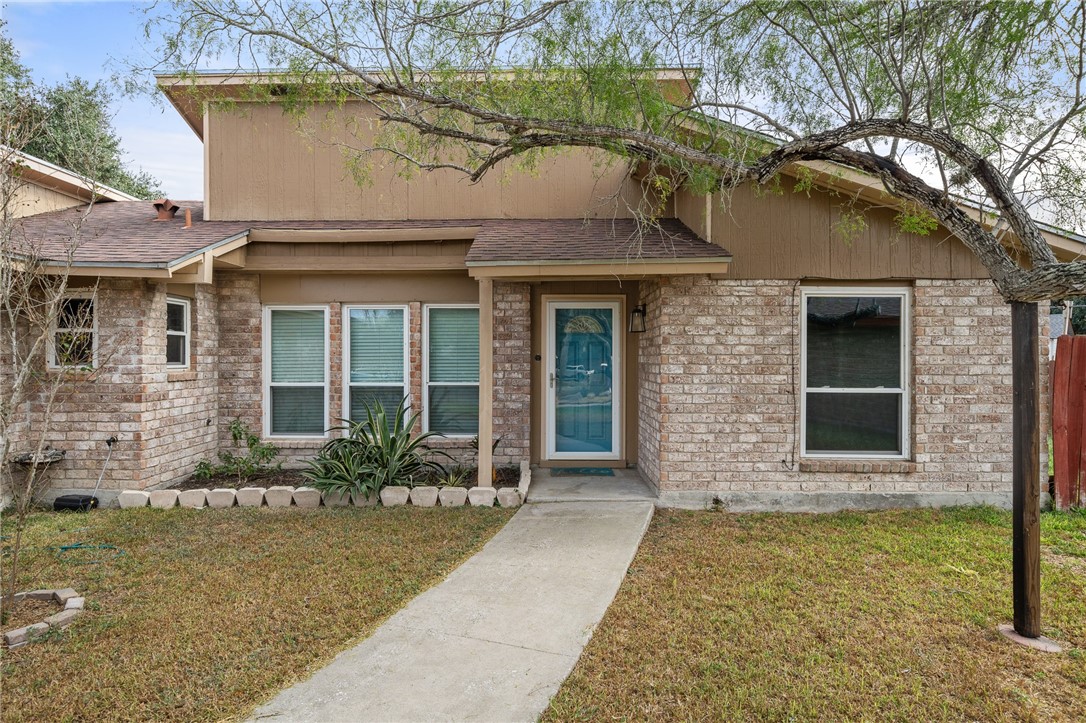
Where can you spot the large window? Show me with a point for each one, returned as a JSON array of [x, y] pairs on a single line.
[[295, 370], [855, 371], [178, 325], [376, 361], [74, 343], [452, 370]]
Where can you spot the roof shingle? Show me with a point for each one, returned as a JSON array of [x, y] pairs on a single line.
[[556, 240], [126, 232]]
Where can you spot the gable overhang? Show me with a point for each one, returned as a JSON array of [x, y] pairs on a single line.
[[189, 94], [48, 175]]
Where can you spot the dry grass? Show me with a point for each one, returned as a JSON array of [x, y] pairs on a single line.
[[208, 612], [882, 616]]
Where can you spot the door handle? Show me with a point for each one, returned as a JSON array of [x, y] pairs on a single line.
[[552, 379]]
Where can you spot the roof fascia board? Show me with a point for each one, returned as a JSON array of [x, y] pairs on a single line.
[[62, 180], [666, 267]]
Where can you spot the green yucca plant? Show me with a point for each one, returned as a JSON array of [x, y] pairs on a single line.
[[376, 452]]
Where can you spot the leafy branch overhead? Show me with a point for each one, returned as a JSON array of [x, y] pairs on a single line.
[[938, 101]]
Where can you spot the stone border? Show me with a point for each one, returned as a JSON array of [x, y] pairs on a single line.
[[308, 497], [73, 604]]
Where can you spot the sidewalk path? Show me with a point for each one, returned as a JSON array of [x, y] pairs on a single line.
[[495, 640]]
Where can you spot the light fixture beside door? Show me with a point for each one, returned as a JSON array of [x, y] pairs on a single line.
[[637, 319]]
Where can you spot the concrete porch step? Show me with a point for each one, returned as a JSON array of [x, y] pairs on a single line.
[[624, 486]]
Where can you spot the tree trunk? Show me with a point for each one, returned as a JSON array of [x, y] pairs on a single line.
[[1027, 471]]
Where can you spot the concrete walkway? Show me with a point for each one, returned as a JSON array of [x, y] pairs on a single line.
[[493, 641]]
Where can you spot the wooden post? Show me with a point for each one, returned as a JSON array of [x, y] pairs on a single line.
[[1027, 471], [486, 382]]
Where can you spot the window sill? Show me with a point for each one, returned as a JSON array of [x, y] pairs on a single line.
[[878, 466], [180, 375], [74, 372]]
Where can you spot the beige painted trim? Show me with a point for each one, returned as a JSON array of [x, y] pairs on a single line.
[[206, 136], [369, 235], [604, 270], [295, 264], [48, 175], [202, 270], [118, 272], [486, 382], [232, 259]]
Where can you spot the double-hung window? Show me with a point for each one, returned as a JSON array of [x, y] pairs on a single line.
[[74, 343], [296, 370], [855, 372], [178, 326], [376, 358], [452, 370]]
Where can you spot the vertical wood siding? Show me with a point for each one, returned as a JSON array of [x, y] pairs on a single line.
[[796, 235]]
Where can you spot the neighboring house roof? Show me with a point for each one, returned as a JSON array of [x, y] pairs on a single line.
[[49, 175], [525, 241], [128, 235]]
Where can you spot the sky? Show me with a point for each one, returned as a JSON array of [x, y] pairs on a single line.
[[92, 39]]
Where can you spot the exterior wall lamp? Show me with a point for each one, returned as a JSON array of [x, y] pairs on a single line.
[[637, 319]]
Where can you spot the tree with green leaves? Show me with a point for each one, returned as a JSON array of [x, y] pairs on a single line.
[[72, 125], [971, 114]]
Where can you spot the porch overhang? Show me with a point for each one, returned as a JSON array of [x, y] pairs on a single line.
[[620, 269], [541, 249]]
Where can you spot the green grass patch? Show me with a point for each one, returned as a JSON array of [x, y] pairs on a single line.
[[852, 616], [209, 612]]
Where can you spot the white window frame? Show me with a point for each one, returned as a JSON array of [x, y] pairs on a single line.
[[346, 336], [426, 367], [905, 293], [51, 345], [266, 369], [186, 304]]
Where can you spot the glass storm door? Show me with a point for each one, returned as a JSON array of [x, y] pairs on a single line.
[[583, 379]]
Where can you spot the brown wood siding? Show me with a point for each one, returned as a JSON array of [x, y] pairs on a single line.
[[260, 167], [585, 288], [368, 288], [794, 235], [30, 199]]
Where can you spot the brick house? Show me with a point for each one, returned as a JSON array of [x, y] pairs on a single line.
[[745, 355]]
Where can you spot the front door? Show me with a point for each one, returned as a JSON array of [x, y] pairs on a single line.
[[583, 379]]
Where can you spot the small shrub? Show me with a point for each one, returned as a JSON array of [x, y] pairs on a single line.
[[458, 476], [258, 458], [374, 454]]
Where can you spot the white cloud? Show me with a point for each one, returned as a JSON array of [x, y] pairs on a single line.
[[175, 157]]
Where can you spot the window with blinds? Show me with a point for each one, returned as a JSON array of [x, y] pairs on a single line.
[[855, 377], [296, 370], [376, 358], [452, 370]]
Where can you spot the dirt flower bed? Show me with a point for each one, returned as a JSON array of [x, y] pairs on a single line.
[[506, 477]]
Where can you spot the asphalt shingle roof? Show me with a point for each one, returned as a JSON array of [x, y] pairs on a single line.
[[127, 232], [533, 240]]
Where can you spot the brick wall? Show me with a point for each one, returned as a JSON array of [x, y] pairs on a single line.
[[651, 418], [159, 418], [181, 407], [719, 392], [512, 371]]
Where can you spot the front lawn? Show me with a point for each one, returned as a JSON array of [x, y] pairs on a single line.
[[878, 616], [209, 612]]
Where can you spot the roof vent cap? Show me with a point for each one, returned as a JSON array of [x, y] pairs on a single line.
[[166, 209]]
